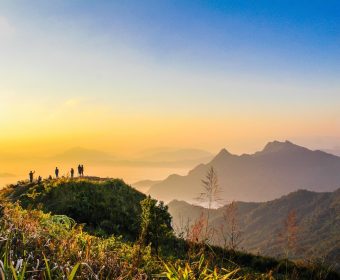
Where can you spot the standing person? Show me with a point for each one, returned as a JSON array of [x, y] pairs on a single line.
[[72, 173], [39, 179], [56, 172], [79, 170], [82, 170], [31, 176]]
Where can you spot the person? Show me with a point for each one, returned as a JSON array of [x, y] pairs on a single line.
[[50, 177], [82, 170], [79, 170], [31, 176], [39, 179], [56, 172], [72, 173]]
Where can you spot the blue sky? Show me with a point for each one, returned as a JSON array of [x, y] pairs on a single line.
[[173, 59]]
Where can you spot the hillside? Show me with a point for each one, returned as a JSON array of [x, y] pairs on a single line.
[[318, 220], [280, 168], [98, 203], [57, 244]]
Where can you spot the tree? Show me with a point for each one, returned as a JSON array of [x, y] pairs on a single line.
[[155, 223], [230, 229], [289, 234], [195, 234], [210, 195]]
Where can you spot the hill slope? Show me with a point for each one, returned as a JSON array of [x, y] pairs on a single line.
[[318, 220], [93, 201], [100, 204], [280, 168]]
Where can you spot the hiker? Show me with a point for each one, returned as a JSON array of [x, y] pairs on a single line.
[[82, 170], [31, 176], [79, 170], [56, 172], [39, 179], [72, 173]]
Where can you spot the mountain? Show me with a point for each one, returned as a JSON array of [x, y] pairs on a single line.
[[82, 154], [318, 223], [144, 185], [176, 155], [334, 151], [6, 175], [67, 225], [280, 168], [151, 158]]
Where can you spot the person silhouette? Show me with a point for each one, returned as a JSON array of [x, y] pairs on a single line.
[[39, 179], [79, 170], [72, 173], [56, 172], [31, 176]]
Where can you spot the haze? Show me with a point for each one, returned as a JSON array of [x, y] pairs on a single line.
[[123, 77]]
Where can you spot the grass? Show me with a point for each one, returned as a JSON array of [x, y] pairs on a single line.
[[39, 245]]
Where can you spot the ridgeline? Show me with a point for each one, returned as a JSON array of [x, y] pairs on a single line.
[[127, 235]]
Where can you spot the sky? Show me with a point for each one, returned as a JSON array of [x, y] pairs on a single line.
[[125, 76]]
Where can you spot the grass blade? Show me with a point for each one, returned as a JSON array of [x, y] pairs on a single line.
[[73, 272], [48, 270]]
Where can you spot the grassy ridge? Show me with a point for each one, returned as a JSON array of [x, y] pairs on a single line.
[[105, 206], [29, 235]]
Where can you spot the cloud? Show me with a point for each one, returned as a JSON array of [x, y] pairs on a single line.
[[6, 29]]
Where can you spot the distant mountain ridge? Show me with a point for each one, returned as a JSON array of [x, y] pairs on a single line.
[[157, 158], [318, 220], [280, 168], [6, 175], [144, 185]]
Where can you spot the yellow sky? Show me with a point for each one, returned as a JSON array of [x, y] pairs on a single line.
[[68, 79]]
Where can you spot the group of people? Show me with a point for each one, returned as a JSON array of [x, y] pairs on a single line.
[[56, 172], [80, 171]]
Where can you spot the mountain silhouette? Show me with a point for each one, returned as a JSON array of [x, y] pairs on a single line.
[[178, 155], [261, 223], [144, 185], [280, 168], [79, 153]]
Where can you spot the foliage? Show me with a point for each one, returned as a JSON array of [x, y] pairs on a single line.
[[229, 230], [155, 223], [198, 270], [38, 245], [317, 217], [100, 205], [42, 245]]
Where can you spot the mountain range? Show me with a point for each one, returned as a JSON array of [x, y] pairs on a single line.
[[317, 220], [144, 185], [280, 168], [161, 157]]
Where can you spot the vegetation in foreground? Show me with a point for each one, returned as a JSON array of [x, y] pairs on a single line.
[[38, 245]]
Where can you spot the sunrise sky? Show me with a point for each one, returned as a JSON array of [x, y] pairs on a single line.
[[124, 76]]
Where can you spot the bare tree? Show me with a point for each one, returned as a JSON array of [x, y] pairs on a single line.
[[182, 229], [210, 195], [196, 232], [292, 230], [289, 235], [230, 230]]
